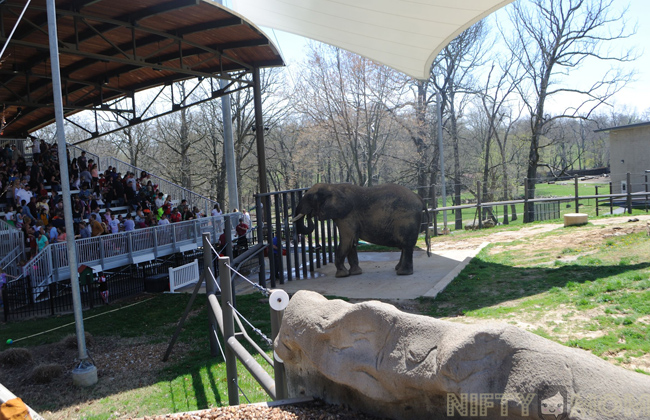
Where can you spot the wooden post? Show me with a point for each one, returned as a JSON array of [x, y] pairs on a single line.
[[228, 330], [526, 203], [479, 209], [575, 181], [629, 193]]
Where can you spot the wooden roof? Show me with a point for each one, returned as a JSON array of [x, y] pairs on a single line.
[[111, 48]]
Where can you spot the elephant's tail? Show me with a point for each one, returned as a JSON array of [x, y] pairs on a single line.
[[426, 230]]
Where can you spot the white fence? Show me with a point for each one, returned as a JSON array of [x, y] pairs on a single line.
[[184, 275], [110, 251]]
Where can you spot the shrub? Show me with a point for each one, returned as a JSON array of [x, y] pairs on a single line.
[[15, 357], [43, 374], [70, 341]]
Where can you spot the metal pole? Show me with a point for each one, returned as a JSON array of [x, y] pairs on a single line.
[[210, 289], [442, 159], [83, 374], [597, 200], [229, 150], [281, 391], [228, 331], [259, 131]]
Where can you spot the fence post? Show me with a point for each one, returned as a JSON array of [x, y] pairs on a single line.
[[611, 200], [479, 209], [281, 391], [629, 192], [260, 239], [129, 244], [435, 212], [209, 290], [526, 203], [646, 190], [228, 331], [596, 200], [575, 181]]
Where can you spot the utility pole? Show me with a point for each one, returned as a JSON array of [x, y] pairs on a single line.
[[442, 158], [85, 373]]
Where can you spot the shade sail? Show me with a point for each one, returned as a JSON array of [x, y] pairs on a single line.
[[404, 35]]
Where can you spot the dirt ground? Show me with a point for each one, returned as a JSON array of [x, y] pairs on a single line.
[[144, 360]]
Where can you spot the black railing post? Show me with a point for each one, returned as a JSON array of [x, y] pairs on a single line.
[[260, 239], [278, 233], [287, 234], [596, 200]]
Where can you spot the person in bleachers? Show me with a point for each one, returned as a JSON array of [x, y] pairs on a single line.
[[129, 224], [114, 225], [176, 216], [163, 220], [36, 149], [82, 161], [95, 226], [62, 234], [159, 201], [241, 229], [24, 210], [41, 239], [84, 231], [54, 234]]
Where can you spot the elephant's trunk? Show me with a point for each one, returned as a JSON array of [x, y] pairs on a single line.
[[299, 220]]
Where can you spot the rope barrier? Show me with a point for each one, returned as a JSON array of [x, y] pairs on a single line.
[[264, 291], [256, 330], [85, 319]]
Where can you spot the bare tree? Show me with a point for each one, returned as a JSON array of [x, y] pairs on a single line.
[[552, 38], [351, 98], [451, 75]]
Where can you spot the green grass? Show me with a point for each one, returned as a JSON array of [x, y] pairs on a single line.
[[605, 291], [193, 379]]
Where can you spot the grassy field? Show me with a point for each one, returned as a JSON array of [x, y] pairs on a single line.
[[192, 379], [586, 287]]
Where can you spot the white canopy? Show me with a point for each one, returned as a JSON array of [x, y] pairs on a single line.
[[402, 34]]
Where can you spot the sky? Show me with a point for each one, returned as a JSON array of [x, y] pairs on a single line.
[[635, 96]]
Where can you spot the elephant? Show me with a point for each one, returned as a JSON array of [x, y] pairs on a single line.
[[389, 215]]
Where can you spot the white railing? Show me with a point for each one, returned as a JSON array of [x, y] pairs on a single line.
[[110, 251], [183, 275], [11, 240], [176, 191]]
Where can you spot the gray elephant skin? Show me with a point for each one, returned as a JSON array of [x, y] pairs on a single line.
[[378, 360], [389, 215]]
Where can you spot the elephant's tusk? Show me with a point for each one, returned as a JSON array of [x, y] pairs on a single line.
[[298, 217]]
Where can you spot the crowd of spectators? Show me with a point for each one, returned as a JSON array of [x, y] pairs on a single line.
[[102, 202]]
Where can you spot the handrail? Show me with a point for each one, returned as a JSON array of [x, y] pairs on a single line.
[[51, 263]]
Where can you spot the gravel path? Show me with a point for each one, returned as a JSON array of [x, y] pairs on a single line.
[[313, 410]]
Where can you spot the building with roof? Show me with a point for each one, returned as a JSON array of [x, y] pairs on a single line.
[[629, 152]]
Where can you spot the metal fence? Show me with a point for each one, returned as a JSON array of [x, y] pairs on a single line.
[[23, 299], [12, 247], [110, 251], [301, 254]]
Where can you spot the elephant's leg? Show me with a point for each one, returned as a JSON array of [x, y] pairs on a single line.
[[342, 252], [353, 259], [406, 262], [399, 264]]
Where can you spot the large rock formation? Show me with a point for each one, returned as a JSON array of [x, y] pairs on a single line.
[[379, 360]]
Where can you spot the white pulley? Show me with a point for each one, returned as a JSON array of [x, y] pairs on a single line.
[[279, 300]]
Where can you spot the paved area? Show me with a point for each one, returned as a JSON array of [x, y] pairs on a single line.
[[379, 281]]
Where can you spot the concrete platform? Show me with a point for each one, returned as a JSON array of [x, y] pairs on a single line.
[[379, 281]]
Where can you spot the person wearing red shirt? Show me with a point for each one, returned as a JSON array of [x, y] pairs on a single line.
[[175, 216]]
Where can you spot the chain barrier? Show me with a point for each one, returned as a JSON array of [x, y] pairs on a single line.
[[256, 330], [266, 292]]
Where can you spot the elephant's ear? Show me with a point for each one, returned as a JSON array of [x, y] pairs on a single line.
[[335, 205]]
